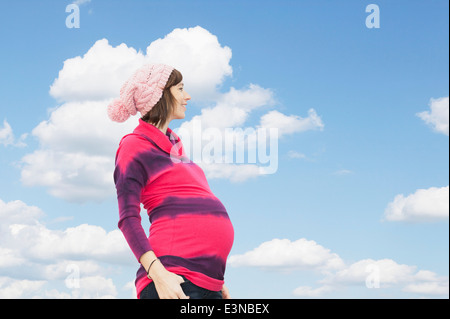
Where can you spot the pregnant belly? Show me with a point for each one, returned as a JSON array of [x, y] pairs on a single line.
[[192, 236]]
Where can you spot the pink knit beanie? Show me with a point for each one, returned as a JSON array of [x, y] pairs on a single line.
[[141, 92]]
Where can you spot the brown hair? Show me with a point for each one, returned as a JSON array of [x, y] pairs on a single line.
[[159, 114]]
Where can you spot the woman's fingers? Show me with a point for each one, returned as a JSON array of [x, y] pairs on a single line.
[[181, 295], [169, 287]]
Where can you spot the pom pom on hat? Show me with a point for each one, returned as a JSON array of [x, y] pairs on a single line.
[[117, 111], [141, 92]]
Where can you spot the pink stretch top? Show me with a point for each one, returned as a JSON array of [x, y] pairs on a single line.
[[190, 230]]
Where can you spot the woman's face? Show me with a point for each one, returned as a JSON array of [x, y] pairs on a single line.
[[181, 98]]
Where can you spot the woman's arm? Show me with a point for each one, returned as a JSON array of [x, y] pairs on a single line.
[[225, 293], [131, 176], [167, 284]]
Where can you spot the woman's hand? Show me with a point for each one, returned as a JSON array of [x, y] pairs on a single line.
[[225, 293], [167, 284]]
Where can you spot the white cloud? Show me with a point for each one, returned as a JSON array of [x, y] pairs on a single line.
[[221, 125], [306, 255], [95, 287], [342, 172], [77, 150], [13, 289], [247, 99], [436, 288], [18, 212], [75, 177], [130, 286], [424, 205], [198, 55], [23, 232], [230, 114], [78, 141], [7, 136], [296, 155], [10, 258], [81, 2], [284, 254], [232, 172], [12, 213], [438, 116], [35, 259], [309, 292], [75, 243], [98, 75], [75, 160], [70, 269], [386, 271], [289, 124], [82, 127], [233, 108]]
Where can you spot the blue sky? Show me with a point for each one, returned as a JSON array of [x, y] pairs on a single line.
[[358, 207]]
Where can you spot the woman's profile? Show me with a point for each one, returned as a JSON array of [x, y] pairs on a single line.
[[190, 235]]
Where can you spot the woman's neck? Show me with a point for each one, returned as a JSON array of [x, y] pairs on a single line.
[[161, 127]]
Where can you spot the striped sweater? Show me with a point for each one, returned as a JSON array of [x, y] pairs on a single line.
[[190, 230]]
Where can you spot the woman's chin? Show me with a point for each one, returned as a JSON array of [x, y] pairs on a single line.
[[180, 116]]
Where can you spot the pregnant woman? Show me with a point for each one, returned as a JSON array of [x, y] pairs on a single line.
[[191, 234]]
